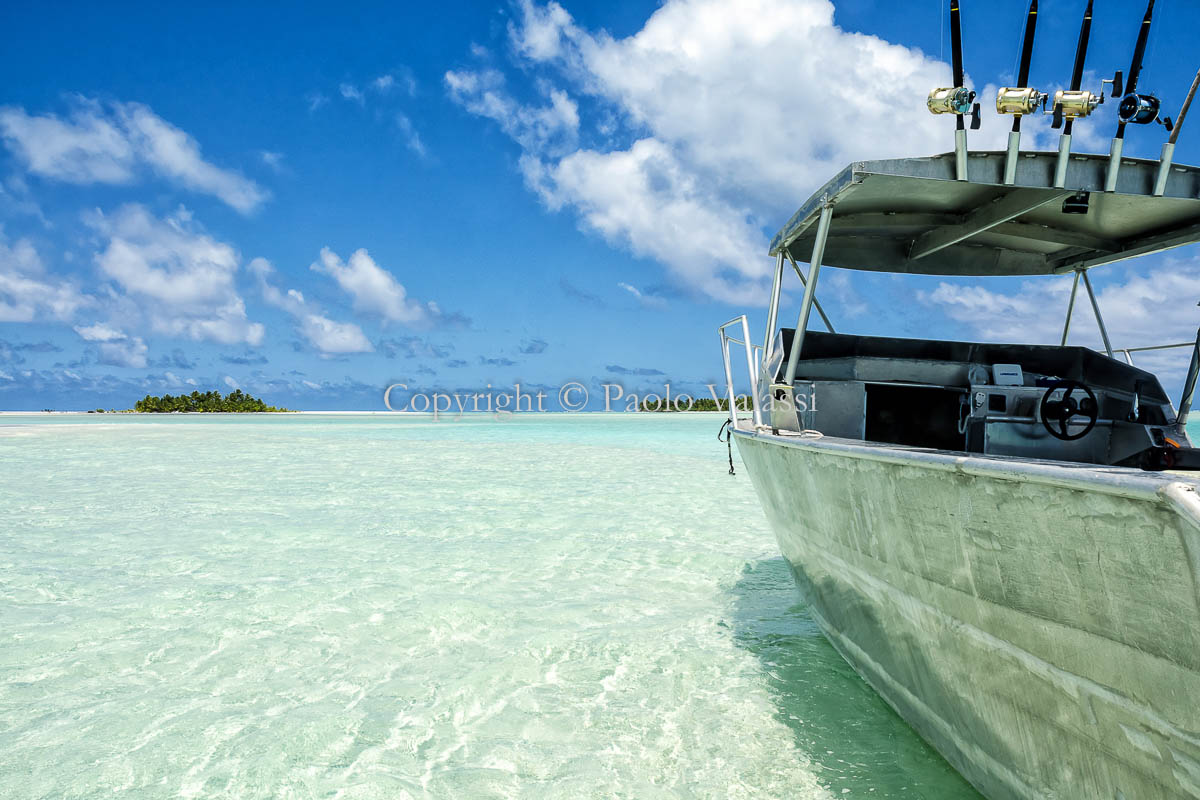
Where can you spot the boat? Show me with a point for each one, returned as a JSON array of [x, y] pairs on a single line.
[[1002, 539]]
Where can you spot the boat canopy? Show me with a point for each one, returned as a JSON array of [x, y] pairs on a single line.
[[910, 215]]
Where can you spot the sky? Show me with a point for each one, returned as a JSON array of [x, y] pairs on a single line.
[[313, 202]]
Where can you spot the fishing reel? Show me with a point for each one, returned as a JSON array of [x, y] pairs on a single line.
[[1019, 101], [1142, 109], [957, 100], [1138, 109], [1074, 105]]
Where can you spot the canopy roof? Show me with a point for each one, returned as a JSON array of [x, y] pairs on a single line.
[[911, 215]]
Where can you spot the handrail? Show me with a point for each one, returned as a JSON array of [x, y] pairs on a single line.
[[751, 368], [1128, 350]]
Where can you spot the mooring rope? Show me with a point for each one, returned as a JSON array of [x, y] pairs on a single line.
[[728, 436]]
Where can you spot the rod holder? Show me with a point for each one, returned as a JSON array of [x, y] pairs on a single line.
[[1010, 159], [1060, 166], [1164, 168], [960, 155], [1114, 165]]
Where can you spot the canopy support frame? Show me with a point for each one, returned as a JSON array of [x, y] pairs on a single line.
[[1070, 309], [1096, 310], [810, 291]]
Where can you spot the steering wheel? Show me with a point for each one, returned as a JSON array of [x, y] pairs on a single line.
[[1060, 412]]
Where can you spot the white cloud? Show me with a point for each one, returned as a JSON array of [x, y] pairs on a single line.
[[328, 336], [273, 160], [351, 92], [1150, 306], [648, 300], [402, 78], [411, 137], [646, 199], [115, 347], [736, 112], [108, 143], [99, 333], [183, 277], [374, 290], [231, 383], [28, 293], [549, 128]]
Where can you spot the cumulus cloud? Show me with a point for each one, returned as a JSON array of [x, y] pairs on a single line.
[[373, 289], [328, 336], [1144, 307], [552, 126], [183, 277], [111, 142], [714, 120], [114, 347], [28, 293]]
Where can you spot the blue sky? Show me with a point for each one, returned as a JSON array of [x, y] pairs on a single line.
[[317, 202]]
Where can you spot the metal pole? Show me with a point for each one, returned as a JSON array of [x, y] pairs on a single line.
[[728, 377], [1096, 310], [1168, 150], [756, 414], [773, 308], [1010, 158], [1070, 309], [816, 302], [1189, 387], [810, 291]]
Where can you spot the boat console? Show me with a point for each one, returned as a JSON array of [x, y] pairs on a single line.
[[977, 214], [1030, 401]]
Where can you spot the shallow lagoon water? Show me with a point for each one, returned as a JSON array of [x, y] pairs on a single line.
[[300, 606]]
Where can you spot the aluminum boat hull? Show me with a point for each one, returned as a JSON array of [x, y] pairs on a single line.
[[1038, 623]]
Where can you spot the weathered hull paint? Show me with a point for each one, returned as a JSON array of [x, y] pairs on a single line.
[[1038, 624]]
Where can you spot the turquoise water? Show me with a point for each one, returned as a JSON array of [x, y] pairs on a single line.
[[306, 606]]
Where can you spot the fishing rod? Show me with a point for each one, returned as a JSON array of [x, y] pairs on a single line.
[[1074, 103], [957, 100], [1022, 99], [1138, 109], [1168, 151]]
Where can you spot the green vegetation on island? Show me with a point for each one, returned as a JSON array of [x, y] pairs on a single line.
[[698, 404], [211, 402]]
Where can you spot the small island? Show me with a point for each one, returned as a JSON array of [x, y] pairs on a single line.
[[207, 402], [697, 404]]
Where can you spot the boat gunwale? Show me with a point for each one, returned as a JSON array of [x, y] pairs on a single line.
[[1179, 489]]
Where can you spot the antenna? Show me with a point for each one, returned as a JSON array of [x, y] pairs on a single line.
[[957, 100], [1139, 109], [1074, 103], [1021, 99]]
